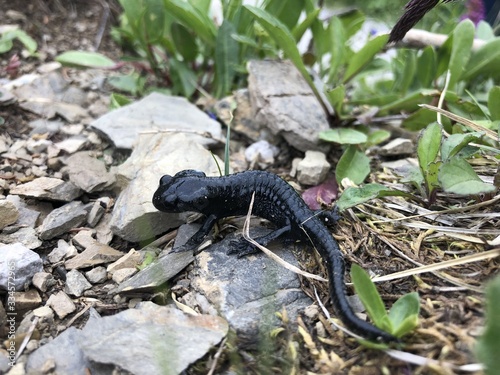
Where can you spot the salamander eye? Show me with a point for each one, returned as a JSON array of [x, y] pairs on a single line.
[[165, 180]]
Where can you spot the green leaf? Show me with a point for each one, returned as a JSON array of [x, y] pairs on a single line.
[[118, 100], [343, 136], [404, 314], [336, 97], [494, 103], [484, 61], [409, 103], [28, 42], [364, 56], [131, 83], [192, 18], [428, 146], [463, 36], [183, 78], [426, 67], [378, 136], [488, 345], [354, 165], [280, 33], [456, 142], [226, 59], [404, 68], [287, 12], [368, 294], [82, 59], [484, 31], [299, 30], [184, 41], [353, 196], [419, 119], [457, 176], [337, 48], [5, 45]]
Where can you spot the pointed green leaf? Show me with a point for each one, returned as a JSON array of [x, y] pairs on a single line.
[[299, 30], [457, 176], [428, 146], [336, 97], [484, 61], [463, 36], [494, 103], [364, 56], [369, 296], [353, 196], [354, 165], [184, 41], [82, 59], [226, 59], [404, 314], [343, 136], [456, 142], [426, 67]]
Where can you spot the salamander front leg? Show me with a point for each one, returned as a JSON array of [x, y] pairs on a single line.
[[198, 237], [243, 248]]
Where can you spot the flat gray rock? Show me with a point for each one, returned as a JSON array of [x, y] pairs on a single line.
[[22, 262], [88, 172], [134, 217], [149, 340], [48, 188], [62, 219], [161, 113], [8, 213], [283, 101], [248, 291]]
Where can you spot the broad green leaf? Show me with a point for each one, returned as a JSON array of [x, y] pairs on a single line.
[[352, 22], [279, 32], [419, 119], [354, 165], [484, 31], [28, 42], [131, 83], [488, 345], [5, 45], [154, 21], [457, 176], [404, 68], [184, 41], [287, 12], [484, 61], [232, 10], [429, 142], [353, 196], [378, 136], [456, 142], [494, 103], [226, 59], [463, 36], [364, 56], [369, 296], [404, 314], [426, 67], [192, 18], [82, 59], [344, 136]]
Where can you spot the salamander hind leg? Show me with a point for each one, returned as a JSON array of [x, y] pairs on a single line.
[[243, 248]]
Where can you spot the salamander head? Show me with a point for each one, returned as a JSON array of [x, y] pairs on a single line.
[[185, 191]]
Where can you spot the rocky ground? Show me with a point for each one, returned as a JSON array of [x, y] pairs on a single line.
[[96, 287]]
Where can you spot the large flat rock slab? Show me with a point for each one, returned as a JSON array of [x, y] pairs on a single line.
[[161, 113]]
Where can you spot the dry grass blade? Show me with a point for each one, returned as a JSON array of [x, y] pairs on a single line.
[[439, 266], [269, 253], [463, 121], [423, 361]]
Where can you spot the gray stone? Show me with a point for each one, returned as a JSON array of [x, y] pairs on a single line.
[[76, 283], [98, 209], [313, 169], [72, 144], [42, 126], [27, 215], [156, 274], [61, 304], [27, 300], [97, 275], [261, 153], [123, 274], [398, 146], [60, 252], [166, 340], [48, 188], [157, 112], [283, 101], [21, 262], [130, 260], [248, 291], [26, 236], [62, 219], [8, 213], [134, 216], [43, 280], [94, 254]]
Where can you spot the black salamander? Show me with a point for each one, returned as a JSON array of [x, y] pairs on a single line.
[[276, 201]]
